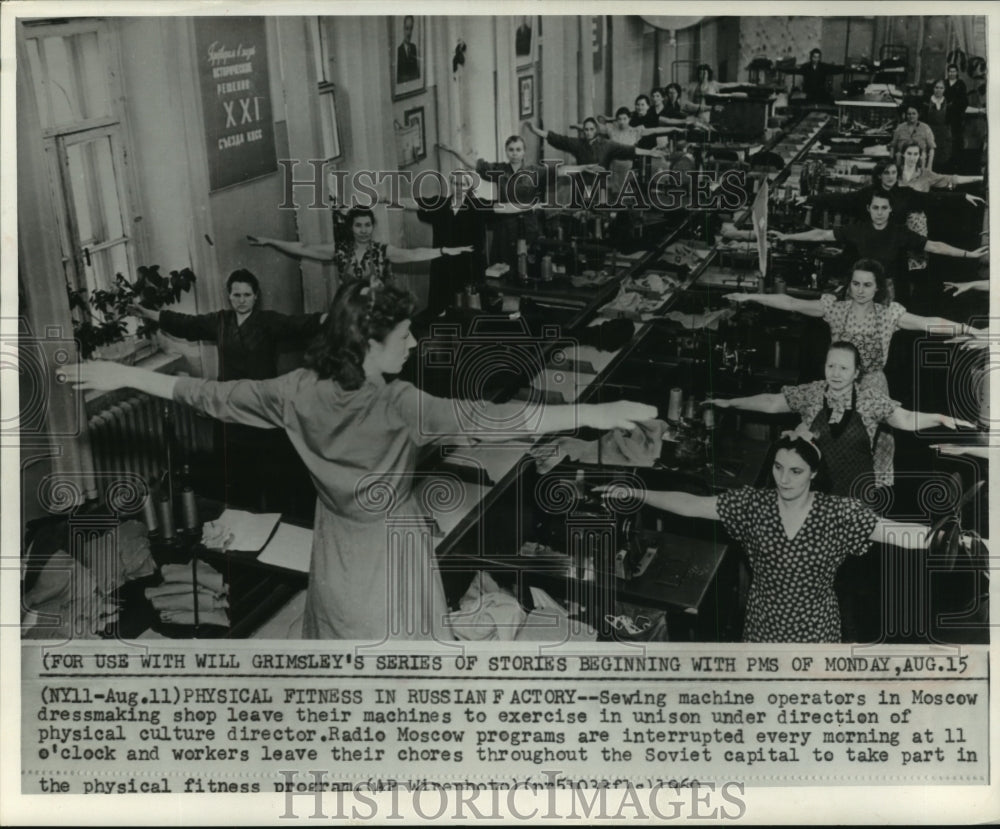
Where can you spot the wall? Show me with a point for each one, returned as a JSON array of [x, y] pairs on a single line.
[[778, 38]]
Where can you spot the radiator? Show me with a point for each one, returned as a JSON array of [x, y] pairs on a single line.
[[127, 435]]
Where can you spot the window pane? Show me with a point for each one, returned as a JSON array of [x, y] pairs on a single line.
[[95, 193], [104, 264], [62, 90], [72, 75], [90, 74]]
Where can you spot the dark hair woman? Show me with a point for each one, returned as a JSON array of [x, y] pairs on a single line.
[[795, 539], [358, 434], [260, 471]]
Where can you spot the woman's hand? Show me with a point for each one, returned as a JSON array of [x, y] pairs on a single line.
[[258, 241], [776, 236], [739, 297], [962, 287], [978, 253], [622, 414], [950, 422], [974, 200], [800, 200], [98, 375], [456, 251], [719, 403], [139, 311]]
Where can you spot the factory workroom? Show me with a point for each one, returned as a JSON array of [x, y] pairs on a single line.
[[459, 332]]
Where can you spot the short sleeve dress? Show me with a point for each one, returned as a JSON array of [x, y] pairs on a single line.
[[792, 596], [871, 337], [373, 267], [372, 574]]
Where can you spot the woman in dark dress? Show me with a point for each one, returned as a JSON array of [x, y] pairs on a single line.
[[260, 471], [795, 539]]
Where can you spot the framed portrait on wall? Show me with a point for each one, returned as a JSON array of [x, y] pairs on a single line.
[[414, 118], [407, 48], [525, 40], [526, 96]]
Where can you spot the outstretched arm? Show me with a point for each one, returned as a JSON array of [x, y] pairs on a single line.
[[767, 403], [816, 234], [683, 503], [962, 287], [901, 534], [399, 256], [99, 375], [783, 302], [937, 325], [463, 161], [942, 249], [914, 421], [319, 253]]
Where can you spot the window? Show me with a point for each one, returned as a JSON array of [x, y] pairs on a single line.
[[74, 70], [72, 74], [327, 101]]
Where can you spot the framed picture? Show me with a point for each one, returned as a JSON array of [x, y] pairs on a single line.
[[328, 122], [524, 40], [413, 119], [526, 96], [407, 48]]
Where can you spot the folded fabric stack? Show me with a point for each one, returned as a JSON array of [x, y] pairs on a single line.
[[640, 447], [178, 596], [488, 612]]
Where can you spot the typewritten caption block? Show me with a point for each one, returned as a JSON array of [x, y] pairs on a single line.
[[100, 720]]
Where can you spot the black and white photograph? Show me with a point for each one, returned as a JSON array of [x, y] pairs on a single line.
[[407, 55], [526, 96], [606, 439], [414, 118], [524, 40]]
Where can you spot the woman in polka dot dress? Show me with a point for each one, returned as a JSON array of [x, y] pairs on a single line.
[[795, 539]]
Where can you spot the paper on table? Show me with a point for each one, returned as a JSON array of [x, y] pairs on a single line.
[[291, 548], [250, 530]]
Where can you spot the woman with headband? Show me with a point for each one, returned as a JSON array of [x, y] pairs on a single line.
[[795, 538]]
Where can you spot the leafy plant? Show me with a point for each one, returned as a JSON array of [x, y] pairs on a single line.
[[100, 320]]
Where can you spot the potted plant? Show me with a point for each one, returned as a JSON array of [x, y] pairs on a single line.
[[100, 321]]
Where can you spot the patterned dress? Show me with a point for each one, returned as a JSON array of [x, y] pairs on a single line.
[[373, 267], [845, 427], [792, 596], [372, 575], [871, 337]]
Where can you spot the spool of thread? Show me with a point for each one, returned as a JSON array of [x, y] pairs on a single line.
[[708, 417], [674, 406], [779, 285], [689, 409], [546, 269], [777, 353], [149, 513], [189, 509], [166, 510]]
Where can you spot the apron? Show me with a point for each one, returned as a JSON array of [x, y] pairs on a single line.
[[848, 456], [846, 448]]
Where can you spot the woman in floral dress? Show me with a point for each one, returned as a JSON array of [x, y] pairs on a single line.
[[869, 325]]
